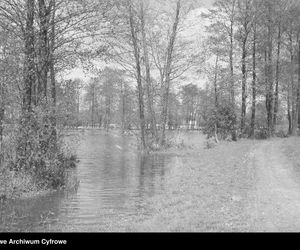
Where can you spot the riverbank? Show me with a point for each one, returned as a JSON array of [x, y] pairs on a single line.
[[47, 173], [25, 185], [248, 185], [19, 186], [207, 192], [235, 187]]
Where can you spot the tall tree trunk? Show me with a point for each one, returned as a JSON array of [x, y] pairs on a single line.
[[168, 72], [123, 107], [253, 108], [232, 87], [289, 115], [29, 64], [148, 75], [232, 94], [293, 94], [2, 111], [244, 82], [24, 141], [298, 90], [216, 96], [216, 82], [93, 106], [138, 75], [42, 75], [52, 74], [269, 97], [231, 37], [293, 106], [276, 103], [43, 66], [1, 127], [107, 112]]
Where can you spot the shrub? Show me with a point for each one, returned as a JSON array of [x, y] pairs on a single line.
[[261, 133], [224, 120], [281, 134], [14, 184], [33, 150]]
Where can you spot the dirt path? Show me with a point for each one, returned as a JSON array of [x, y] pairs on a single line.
[[276, 196]]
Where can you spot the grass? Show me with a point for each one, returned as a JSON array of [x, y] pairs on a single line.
[[291, 148], [210, 190], [19, 185], [16, 184]]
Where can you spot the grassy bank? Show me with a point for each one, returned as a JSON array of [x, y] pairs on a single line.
[[212, 190], [18, 185]]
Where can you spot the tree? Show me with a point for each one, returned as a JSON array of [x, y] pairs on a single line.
[[68, 93], [46, 34], [254, 75], [167, 71], [223, 18], [244, 19], [137, 56], [190, 100], [148, 74]]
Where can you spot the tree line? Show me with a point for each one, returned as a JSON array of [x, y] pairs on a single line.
[[108, 102], [254, 49]]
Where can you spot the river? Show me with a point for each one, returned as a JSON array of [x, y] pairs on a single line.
[[115, 183]]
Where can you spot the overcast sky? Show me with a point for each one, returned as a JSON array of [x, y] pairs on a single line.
[[195, 30], [207, 3]]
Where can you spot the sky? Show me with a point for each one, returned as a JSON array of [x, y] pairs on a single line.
[[196, 29], [207, 3]]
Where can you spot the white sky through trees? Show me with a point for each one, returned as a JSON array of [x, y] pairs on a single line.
[[195, 31]]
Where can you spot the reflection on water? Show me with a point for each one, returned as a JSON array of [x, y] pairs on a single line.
[[115, 181]]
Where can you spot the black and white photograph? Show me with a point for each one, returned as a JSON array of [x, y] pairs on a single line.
[[153, 116]]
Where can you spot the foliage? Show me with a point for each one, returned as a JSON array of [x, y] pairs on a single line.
[[223, 119], [68, 95], [261, 133], [47, 160], [281, 134]]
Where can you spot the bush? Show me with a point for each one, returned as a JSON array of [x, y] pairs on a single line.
[[14, 184], [281, 134], [261, 134], [224, 120], [176, 141], [33, 151]]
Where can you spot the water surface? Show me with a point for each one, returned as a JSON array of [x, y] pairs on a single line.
[[115, 183]]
